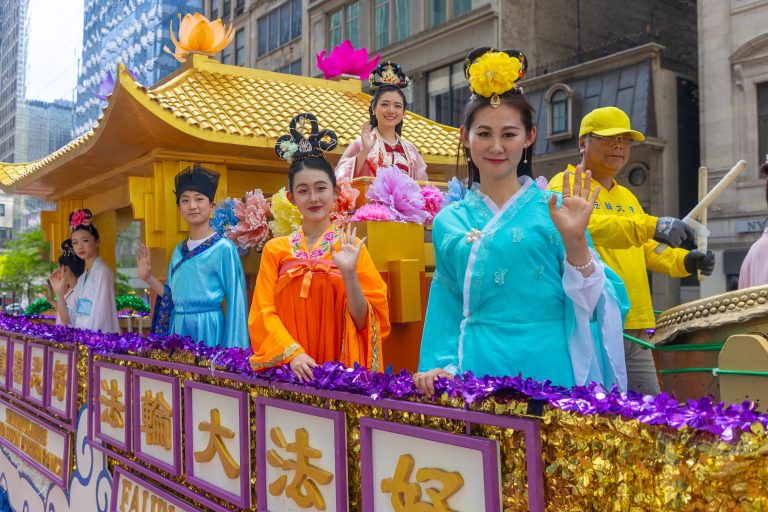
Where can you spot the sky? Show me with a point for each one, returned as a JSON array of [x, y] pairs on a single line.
[[55, 42]]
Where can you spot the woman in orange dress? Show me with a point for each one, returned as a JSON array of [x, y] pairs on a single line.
[[318, 295]]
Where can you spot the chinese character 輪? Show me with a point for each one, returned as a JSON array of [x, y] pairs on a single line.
[[156, 419]]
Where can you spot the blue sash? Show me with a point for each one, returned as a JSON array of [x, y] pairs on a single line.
[[161, 318]]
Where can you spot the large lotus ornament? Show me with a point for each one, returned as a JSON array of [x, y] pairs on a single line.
[[197, 34], [345, 60]]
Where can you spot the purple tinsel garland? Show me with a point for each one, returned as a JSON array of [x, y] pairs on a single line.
[[703, 414]]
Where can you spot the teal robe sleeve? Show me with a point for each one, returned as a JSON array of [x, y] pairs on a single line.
[[440, 338], [233, 283]]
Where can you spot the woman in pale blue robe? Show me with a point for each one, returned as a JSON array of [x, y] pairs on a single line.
[[504, 302], [517, 288], [200, 284], [204, 273]]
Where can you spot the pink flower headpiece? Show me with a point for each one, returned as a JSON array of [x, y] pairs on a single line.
[[79, 218]]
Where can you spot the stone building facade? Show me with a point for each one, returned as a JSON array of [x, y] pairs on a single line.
[[641, 56], [733, 78]]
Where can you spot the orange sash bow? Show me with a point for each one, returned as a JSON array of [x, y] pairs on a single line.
[[297, 268]]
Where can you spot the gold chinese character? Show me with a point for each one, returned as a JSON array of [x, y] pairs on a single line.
[[216, 444], [303, 488], [3, 362], [36, 375], [59, 387], [156, 419], [18, 366], [113, 408], [406, 496]]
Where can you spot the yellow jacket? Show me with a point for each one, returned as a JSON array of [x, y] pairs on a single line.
[[623, 236]]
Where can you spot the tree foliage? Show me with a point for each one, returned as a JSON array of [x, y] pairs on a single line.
[[25, 264]]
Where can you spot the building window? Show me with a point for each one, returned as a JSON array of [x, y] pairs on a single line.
[[215, 10], [447, 94], [559, 103], [294, 68], [381, 23], [559, 107], [2, 210], [226, 55], [762, 122], [440, 11], [227, 9], [461, 6], [279, 26], [343, 24], [352, 23], [240, 47], [335, 28], [391, 22], [239, 7]]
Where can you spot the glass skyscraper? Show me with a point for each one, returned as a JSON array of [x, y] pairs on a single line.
[[131, 32]]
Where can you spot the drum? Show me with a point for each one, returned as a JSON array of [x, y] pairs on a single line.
[[689, 339]]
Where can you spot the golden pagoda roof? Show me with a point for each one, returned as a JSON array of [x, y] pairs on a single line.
[[213, 108]]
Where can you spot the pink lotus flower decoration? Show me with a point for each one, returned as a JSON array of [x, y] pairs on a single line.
[[400, 193], [252, 229], [433, 200], [345, 60], [374, 212], [345, 203]]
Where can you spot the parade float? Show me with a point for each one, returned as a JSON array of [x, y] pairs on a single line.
[[133, 422]]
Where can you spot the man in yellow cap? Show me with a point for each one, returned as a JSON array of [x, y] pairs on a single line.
[[626, 237]]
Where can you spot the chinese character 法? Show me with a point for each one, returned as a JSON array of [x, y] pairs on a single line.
[[303, 488]]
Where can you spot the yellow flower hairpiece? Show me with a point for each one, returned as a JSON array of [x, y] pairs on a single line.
[[494, 73], [287, 217]]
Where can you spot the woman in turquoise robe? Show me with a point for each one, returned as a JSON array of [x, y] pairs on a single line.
[[504, 302], [200, 285], [517, 287], [204, 272]]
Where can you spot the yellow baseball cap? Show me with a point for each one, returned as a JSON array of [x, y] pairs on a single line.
[[608, 122]]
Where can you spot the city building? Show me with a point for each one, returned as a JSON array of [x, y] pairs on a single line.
[[46, 126], [129, 32], [660, 98], [41, 128], [269, 34], [733, 79], [13, 65], [6, 218], [640, 56], [13, 55]]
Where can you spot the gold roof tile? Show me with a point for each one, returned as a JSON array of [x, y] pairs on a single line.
[[244, 104]]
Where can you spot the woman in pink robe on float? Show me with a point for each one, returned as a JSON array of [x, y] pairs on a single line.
[[380, 144]]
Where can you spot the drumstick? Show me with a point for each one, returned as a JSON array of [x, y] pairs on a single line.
[[701, 239], [711, 195]]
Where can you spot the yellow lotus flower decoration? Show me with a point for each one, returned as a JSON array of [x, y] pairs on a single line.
[[197, 34], [287, 217], [494, 73]]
